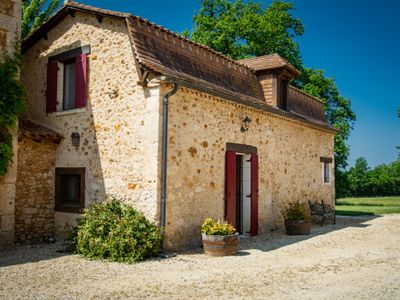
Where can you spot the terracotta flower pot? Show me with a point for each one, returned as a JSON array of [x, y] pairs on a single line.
[[297, 227], [220, 245]]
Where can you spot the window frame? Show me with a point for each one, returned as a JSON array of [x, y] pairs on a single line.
[[326, 163], [65, 58], [59, 205]]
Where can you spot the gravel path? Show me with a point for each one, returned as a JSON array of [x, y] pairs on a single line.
[[359, 258]]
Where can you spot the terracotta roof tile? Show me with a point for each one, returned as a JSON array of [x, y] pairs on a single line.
[[166, 53], [268, 62], [30, 129]]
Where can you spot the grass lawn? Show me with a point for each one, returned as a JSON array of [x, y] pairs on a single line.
[[368, 206]]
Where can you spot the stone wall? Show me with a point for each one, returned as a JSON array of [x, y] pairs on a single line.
[[119, 128], [199, 128], [10, 16], [34, 205]]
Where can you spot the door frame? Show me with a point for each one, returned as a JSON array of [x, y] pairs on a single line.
[[230, 183]]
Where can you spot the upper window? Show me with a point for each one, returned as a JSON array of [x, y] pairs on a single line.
[[282, 93], [70, 189], [327, 173], [67, 80], [326, 169]]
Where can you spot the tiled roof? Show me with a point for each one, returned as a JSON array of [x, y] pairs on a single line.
[[166, 53], [30, 129], [269, 62], [305, 105], [163, 52]]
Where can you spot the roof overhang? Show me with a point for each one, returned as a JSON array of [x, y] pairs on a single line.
[[67, 9]]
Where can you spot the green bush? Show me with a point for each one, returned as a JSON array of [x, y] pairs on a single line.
[[296, 210], [217, 227], [115, 231], [12, 103]]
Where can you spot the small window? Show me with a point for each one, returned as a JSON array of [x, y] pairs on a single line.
[[326, 169], [70, 189], [327, 173], [282, 94]]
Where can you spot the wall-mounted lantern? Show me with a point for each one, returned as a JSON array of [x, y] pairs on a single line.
[[245, 124], [75, 139]]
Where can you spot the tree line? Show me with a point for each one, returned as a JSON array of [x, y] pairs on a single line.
[[361, 180]]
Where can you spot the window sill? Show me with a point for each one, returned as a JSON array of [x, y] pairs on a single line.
[[68, 112], [69, 209]]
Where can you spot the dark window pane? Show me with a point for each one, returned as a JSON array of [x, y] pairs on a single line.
[[70, 189], [326, 173], [69, 86]]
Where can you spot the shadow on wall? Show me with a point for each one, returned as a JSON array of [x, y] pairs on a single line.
[[35, 215]]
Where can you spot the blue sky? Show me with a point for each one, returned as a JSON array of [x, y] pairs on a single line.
[[356, 42]]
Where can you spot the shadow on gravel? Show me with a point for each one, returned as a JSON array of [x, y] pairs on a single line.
[[277, 239], [31, 253]]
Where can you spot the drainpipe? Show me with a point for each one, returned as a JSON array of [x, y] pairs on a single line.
[[164, 157]]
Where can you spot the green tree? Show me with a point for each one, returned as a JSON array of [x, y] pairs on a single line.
[[12, 100], [243, 29], [358, 177], [35, 13]]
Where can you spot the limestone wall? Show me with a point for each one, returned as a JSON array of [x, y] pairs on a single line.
[[10, 16], [34, 207], [119, 128], [199, 128]]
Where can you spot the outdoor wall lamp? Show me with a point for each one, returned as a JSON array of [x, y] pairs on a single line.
[[245, 124], [75, 139]]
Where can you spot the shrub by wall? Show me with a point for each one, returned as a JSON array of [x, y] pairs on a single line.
[[115, 231]]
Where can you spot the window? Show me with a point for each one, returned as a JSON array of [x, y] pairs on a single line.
[[327, 174], [326, 169], [282, 93], [68, 86], [67, 80], [70, 189]]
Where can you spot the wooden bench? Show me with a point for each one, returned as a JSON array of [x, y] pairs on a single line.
[[321, 212]]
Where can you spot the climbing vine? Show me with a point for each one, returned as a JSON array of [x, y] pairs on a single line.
[[12, 103]]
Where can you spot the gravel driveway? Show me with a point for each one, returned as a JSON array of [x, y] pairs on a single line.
[[359, 258]]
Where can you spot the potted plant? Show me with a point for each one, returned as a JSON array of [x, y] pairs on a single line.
[[297, 218], [219, 238]]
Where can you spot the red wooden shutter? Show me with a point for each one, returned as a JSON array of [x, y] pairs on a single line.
[[254, 195], [80, 81], [230, 187], [51, 97]]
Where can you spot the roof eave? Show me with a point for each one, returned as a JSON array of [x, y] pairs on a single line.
[[65, 10], [257, 105]]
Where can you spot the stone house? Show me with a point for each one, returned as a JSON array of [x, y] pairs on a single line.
[[10, 16], [118, 105]]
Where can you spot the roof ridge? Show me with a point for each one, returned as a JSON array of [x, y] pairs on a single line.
[[162, 28], [220, 54], [96, 9]]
